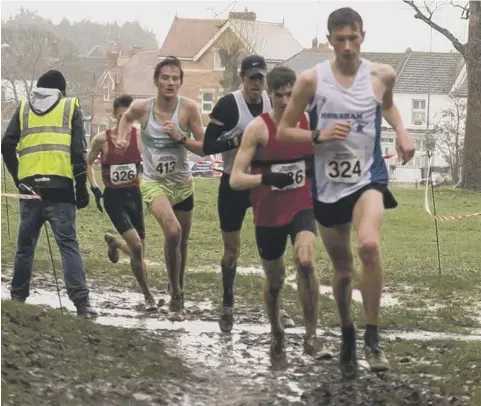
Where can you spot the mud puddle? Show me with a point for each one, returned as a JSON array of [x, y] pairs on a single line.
[[235, 369]]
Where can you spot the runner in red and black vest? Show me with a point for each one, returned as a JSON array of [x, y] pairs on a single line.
[[282, 205], [122, 197]]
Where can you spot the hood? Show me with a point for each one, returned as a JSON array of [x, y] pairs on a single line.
[[43, 99]]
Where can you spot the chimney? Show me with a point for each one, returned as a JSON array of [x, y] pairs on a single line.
[[112, 58], [314, 43], [245, 15], [323, 46]]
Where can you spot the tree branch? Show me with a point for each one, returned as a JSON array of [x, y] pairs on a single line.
[[450, 36]]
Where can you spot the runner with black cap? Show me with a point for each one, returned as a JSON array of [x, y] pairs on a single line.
[[229, 118]]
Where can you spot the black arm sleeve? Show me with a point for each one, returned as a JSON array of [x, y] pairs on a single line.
[[78, 148], [226, 112], [10, 141]]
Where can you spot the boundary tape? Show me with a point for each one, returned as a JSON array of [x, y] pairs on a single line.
[[426, 201]]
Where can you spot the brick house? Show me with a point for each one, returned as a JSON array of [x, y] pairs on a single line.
[[196, 42]]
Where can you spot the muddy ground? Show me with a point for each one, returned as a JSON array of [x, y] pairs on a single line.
[[49, 358]]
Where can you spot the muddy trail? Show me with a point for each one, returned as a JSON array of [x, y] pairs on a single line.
[[221, 369]]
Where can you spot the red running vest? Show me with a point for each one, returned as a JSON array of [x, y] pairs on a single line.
[[121, 170], [274, 207]]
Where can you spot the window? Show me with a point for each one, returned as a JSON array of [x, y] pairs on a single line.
[[217, 61], [207, 102], [418, 144], [106, 92], [419, 112]]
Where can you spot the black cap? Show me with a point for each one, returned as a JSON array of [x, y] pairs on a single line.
[[53, 79], [253, 64]]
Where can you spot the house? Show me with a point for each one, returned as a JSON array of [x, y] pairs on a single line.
[[424, 84], [195, 42]]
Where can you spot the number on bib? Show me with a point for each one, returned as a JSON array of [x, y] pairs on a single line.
[[296, 170], [344, 168], [165, 165], [122, 174]]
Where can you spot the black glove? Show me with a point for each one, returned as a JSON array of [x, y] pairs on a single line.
[[82, 195], [277, 179], [98, 196]]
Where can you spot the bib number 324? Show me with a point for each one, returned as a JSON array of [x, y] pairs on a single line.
[[344, 169], [122, 174], [296, 170]]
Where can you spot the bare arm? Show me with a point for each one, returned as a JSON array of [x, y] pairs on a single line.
[[134, 112], [389, 109], [239, 178], [92, 154], [302, 93], [195, 145]]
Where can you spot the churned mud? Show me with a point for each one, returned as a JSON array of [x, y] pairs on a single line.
[[130, 357]]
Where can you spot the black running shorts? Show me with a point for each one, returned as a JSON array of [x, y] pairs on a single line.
[[125, 209], [340, 212], [232, 205], [271, 241]]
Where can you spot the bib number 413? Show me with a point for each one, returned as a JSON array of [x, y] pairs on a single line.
[[165, 167], [344, 171]]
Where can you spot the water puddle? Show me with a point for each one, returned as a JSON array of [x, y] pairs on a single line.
[[387, 299]]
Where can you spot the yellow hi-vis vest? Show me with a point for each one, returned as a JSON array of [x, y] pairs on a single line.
[[44, 147]]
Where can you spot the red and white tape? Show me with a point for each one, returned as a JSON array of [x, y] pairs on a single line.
[[21, 197], [428, 209]]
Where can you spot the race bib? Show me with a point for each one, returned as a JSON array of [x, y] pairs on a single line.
[[165, 164], [122, 174], [296, 170], [344, 167]]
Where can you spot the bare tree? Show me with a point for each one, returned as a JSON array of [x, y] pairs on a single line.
[[471, 51], [448, 134], [31, 52]]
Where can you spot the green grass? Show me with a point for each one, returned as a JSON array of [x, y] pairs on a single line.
[[408, 248], [49, 358]]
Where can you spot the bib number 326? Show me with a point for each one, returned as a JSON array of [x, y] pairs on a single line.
[[344, 169], [122, 174], [296, 170]]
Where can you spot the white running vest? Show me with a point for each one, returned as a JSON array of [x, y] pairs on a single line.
[[343, 167], [164, 160], [245, 117]]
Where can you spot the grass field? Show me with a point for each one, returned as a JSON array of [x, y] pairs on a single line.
[[449, 303], [425, 301]]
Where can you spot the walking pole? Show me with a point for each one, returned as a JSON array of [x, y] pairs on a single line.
[[6, 199], [53, 266]]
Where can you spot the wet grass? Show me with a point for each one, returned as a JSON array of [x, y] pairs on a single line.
[[450, 367], [408, 248], [49, 358]]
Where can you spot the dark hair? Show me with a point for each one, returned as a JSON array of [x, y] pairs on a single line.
[[53, 79], [169, 61], [343, 16], [280, 76], [122, 101]]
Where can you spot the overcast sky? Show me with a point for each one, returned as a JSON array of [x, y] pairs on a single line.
[[390, 25]]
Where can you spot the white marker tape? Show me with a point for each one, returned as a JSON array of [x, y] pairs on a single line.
[[426, 202], [21, 197]]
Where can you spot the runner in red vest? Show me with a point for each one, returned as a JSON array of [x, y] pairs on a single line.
[[122, 197], [282, 207]]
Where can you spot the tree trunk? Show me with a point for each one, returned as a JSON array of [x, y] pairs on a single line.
[[471, 173]]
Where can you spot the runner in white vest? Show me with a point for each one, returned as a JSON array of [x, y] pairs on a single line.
[[167, 122], [348, 97], [229, 118]]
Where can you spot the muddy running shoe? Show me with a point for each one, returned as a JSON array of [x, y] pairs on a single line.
[[277, 350], [226, 321], [150, 305], [286, 321], [314, 347], [112, 252], [175, 309], [348, 360], [376, 358], [169, 289]]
